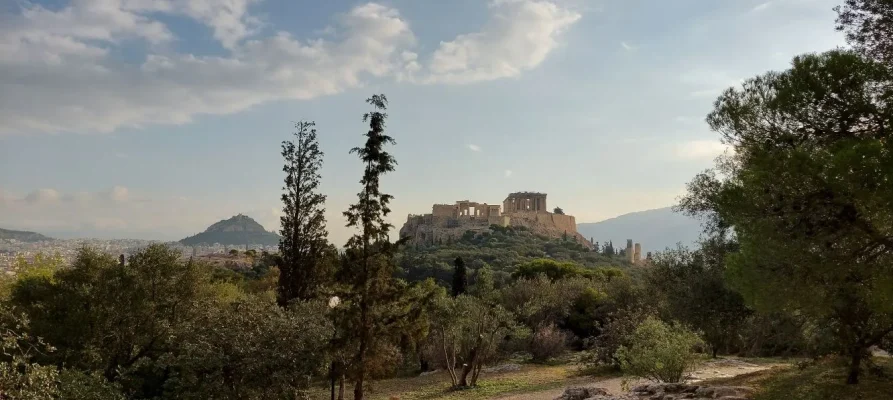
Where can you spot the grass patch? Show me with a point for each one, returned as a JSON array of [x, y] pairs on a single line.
[[437, 386], [821, 381]]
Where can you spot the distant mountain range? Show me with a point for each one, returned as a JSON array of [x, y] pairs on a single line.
[[655, 229], [238, 230], [22, 236]]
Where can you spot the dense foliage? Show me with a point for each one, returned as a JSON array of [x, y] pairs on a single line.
[[806, 195], [692, 288], [869, 27], [154, 327]]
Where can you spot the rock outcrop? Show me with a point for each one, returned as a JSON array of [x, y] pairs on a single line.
[[582, 393], [660, 391]]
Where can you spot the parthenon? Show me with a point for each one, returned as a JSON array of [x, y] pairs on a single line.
[[525, 201]]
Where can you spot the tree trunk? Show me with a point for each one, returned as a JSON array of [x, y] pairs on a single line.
[[341, 388], [358, 387], [332, 378], [463, 380], [450, 361], [469, 366], [855, 366], [714, 351]]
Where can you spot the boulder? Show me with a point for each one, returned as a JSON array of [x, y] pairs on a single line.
[[661, 391], [582, 393]]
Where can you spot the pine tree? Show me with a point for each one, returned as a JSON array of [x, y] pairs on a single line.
[[303, 247], [377, 306], [460, 277], [608, 248]]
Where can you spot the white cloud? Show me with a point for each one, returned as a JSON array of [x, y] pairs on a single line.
[[508, 173], [703, 150], [762, 6], [627, 46], [474, 147], [42, 196], [518, 37], [64, 59], [119, 194], [80, 88]]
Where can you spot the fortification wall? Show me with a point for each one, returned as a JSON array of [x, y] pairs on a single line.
[[548, 224], [443, 210], [430, 229]]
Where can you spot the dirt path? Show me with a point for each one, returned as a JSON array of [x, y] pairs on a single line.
[[710, 370]]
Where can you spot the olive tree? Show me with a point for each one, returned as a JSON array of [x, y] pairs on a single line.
[[466, 333]]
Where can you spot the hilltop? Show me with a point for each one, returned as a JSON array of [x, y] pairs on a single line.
[[655, 229], [501, 249], [22, 236], [238, 230]]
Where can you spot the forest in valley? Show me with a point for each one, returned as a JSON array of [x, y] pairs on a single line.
[[794, 262]]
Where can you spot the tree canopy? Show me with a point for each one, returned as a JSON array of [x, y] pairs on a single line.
[[806, 191]]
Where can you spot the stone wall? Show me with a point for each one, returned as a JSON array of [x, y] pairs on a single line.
[[548, 224], [443, 210]]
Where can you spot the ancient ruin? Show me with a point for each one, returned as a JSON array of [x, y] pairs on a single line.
[[449, 222], [633, 252]]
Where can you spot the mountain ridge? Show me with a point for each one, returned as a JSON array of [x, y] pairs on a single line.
[[656, 229], [23, 236]]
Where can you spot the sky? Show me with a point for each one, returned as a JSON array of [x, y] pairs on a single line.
[[153, 119]]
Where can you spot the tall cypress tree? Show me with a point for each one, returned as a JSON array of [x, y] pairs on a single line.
[[376, 305], [303, 247], [460, 277]]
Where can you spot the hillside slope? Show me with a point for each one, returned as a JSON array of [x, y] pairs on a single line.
[[238, 230], [22, 236], [654, 229]]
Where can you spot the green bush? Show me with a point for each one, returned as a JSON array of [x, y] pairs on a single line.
[[547, 342], [659, 351]]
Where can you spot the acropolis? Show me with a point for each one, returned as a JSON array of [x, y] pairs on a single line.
[[528, 209]]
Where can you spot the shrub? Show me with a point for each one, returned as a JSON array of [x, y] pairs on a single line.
[[547, 342], [615, 333], [659, 351]]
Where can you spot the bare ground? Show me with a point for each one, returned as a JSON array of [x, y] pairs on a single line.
[[724, 368]]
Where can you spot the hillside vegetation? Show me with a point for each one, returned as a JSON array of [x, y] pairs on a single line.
[[22, 236], [500, 250]]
